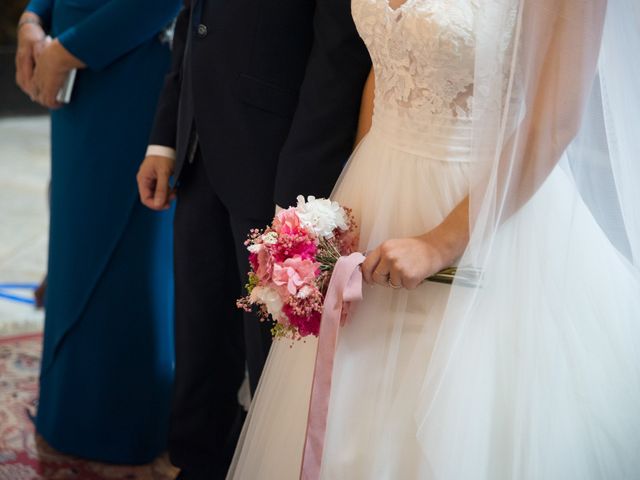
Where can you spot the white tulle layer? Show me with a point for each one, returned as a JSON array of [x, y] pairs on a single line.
[[538, 375], [536, 388]]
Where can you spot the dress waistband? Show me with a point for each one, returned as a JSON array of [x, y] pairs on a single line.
[[438, 138]]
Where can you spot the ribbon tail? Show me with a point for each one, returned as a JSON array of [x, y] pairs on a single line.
[[345, 286]]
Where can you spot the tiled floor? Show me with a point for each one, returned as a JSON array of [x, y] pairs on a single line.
[[24, 176]]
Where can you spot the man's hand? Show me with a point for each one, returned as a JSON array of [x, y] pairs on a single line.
[[53, 64], [153, 182], [31, 38]]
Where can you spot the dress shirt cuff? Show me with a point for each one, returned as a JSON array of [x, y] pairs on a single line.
[[161, 151]]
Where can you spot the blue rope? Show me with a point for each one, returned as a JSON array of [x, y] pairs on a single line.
[[15, 298], [8, 286], [5, 295]]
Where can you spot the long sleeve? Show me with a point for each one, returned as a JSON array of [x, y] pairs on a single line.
[[43, 9], [116, 28], [165, 122], [323, 130]]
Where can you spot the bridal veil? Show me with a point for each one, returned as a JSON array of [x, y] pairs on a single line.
[[536, 369]]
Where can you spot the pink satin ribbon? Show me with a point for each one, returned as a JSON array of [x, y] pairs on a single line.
[[344, 288]]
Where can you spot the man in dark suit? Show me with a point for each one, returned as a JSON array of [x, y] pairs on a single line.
[[261, 105]]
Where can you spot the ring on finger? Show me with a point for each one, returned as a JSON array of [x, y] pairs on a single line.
[[382, 275], [392, 285]]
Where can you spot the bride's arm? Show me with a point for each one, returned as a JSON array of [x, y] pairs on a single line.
[[403, 262], [366, 108]]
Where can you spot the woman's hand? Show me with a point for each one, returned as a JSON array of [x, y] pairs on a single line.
[[406, 262], [53, 64], [31, 38]]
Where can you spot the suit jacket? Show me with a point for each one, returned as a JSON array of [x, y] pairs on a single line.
[[273, 90]]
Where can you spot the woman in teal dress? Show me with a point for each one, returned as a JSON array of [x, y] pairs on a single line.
[[108, 351]]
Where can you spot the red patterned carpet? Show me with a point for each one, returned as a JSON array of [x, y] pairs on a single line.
[[23, 456]]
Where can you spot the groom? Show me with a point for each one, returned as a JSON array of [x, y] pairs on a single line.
[[261, 105]]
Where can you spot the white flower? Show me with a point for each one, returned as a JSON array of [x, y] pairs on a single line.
[[270, 238], [304, 292], [321, 215], [269, 298], [255, 247]]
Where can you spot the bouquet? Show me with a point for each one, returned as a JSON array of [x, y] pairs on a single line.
[[292, 261]]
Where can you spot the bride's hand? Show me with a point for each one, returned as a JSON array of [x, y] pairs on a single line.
[[406, 262]]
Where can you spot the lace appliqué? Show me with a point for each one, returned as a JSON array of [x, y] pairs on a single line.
[[423, 54]]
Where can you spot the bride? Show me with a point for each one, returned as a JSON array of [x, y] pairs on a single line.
[[503, 137]]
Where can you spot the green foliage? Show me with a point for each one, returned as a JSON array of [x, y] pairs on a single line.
[[280, 331], [252, 282]]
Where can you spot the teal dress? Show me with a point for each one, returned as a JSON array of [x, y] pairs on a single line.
[[107, 362]]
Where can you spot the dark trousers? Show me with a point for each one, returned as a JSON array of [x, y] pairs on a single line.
[[214, 340]]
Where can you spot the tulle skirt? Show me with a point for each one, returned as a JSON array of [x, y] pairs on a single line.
[[393, 193], [535, 388]]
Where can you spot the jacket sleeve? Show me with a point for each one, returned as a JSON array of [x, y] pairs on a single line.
[[42, 8], [324, 125], [116, 28], [165, 122]]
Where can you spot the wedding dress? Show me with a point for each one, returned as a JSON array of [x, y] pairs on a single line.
[[532, 375]]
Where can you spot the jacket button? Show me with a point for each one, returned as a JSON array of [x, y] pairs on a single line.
[[202, 30]]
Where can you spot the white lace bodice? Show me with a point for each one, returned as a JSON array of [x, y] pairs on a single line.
[[423, 56]]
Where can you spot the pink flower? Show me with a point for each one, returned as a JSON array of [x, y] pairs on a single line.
[[287, 222], [253, 260], [290, 246], [293, 273], [306, 325], [261, 261], [347, 241]]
